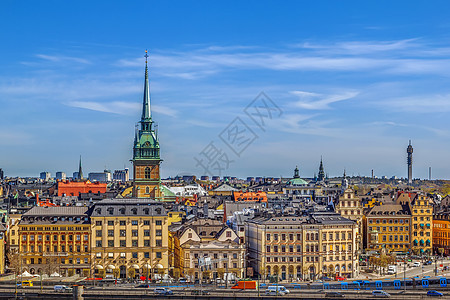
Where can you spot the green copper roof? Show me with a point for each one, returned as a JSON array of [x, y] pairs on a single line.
[[146, 111], [297, 181], [146, 144]]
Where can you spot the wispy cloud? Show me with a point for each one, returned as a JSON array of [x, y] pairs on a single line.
[[120, 107], [408, 56], [62, 58], [418, 104], [315, 101]]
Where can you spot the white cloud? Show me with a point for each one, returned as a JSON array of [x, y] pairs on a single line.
[[121, 107], [62, 58], [315, 101]]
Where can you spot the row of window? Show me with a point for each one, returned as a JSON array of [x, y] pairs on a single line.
[[39, 237], [133, 255], [62, 261], [62, 228], [217, 265], [396, 238], [123, 243], [421, 233], [390, 228], [310, 236], [390, 221], [124, 223], [56, 249], [215, 255], [123, 232], [309, 248]]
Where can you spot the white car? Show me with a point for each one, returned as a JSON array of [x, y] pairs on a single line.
[[416, 264], [276, 290], [62, 289]]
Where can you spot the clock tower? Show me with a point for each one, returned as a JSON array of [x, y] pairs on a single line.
[[146, 159]]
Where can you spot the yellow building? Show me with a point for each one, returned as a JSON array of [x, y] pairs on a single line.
[[2, 248], [55, 239], [13, 232], [389, 227], [129, 238], [302, 247], [349, 206], [422, 221]]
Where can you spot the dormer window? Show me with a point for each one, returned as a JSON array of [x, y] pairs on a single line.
[[146, 211], [134, 211], [110, 210], [122, 210], [98, 211]]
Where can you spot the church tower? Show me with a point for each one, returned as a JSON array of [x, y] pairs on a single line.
[[146, 159], [321, 175]]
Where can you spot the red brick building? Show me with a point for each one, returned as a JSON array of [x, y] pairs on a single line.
[[75, 188]]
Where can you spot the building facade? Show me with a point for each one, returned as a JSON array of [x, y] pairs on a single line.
[[389, 228], [55, 239], [208, 240], [349, 206], [422, 221], [129, 238], [441, 233], [302, 247]]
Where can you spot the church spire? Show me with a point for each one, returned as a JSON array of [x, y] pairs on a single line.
[[321, 175], [146, 112], [80, 171]]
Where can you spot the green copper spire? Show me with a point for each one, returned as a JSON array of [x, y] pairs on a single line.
[[146, 144], [146, 112]]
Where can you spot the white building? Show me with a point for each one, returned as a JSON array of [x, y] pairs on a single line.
[[188, 190]]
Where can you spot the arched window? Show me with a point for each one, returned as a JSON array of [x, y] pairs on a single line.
[[307, 236], [147, 190], [147, 173]]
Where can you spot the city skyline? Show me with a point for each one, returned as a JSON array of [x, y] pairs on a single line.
[[354, 83]]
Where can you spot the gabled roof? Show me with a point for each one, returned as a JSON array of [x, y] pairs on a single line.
[[225, 188]]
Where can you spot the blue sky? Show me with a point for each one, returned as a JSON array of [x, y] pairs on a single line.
[[355, 80]]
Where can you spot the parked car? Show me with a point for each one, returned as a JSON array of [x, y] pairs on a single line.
[[143, 286], [380, 294], [427, 263], [416, 264], [25, 283], [199, 292], [339, 278], [334, 295], [276, 290], [62, 289], [182, 280], [326, 278], [434, 293], [162, 291]]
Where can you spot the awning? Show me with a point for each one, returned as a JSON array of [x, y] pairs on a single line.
[[111, 267], [147, 266], [135, 266], [99, 267], [159, 266]]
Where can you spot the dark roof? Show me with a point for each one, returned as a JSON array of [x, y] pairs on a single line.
[[325, 218], [70, 215], [391, 210], [127, 207]]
